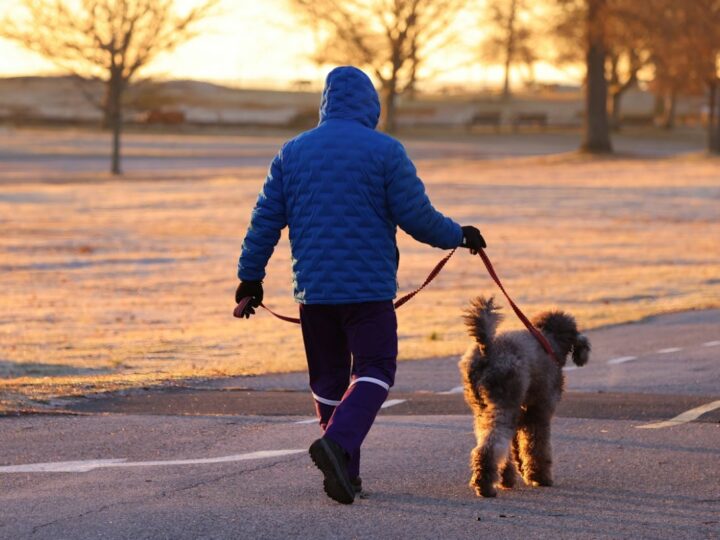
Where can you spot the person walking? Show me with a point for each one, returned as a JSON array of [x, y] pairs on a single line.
[[342, 189]]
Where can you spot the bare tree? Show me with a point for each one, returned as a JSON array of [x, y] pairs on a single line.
[[582, 29], [597, 133], [624, 65], [684, 40], [391, 38], [627, 51], [104, 40], [511, 38], [700, 25]]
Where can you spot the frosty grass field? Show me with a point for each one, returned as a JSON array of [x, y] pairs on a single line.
[[114, 284]]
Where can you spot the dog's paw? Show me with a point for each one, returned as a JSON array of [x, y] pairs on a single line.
[[483, 489], [539, 481], [508, 481]]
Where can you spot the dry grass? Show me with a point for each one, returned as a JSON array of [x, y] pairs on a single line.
[[130, 284]]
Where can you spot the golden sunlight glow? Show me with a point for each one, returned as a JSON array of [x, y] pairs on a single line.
[[260, 43]]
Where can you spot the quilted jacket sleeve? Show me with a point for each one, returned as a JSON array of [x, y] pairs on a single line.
[[267, 220], [410, 206]]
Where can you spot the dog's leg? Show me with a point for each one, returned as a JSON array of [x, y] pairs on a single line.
[[493, 440], [479, 480], [535, 448], [515, 453], [509, 469], [509, 473]]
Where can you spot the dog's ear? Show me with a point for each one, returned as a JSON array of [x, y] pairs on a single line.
[[581, 350]]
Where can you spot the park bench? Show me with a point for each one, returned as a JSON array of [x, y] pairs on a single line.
[[529, 119], [159, 116], [484, 119], [637, 120]]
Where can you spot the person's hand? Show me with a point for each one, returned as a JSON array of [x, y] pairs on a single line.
[[254, 290], [472, 239]]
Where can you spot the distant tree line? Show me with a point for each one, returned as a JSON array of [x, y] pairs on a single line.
[[674, 45]]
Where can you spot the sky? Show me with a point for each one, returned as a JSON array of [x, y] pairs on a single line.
[[258, 43]]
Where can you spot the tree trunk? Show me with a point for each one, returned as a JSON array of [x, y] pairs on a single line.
[[669, 111], [616, 98], [616, 113], [597, 130], [618, 88], [716, 146], [106, 123], [658, 108], [509, 48], [506, 82], [113, 115], [389, 96]]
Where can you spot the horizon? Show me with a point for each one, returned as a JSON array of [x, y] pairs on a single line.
[[257, 56]]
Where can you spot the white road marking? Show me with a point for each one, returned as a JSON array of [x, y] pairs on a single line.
[[456, 390], [687, 416], [711, 344], [669, 350], [621, 360], [392, 402], [85, 466], [569, 368], [388, 403]]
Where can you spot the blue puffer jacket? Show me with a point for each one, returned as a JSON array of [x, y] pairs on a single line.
[[342, 188]]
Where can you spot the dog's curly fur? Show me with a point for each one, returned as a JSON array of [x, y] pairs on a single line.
[[513, 386]]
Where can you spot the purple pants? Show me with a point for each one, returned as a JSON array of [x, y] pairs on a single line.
[[351, 352]]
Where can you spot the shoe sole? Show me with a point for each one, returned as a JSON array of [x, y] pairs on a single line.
[[336, 486]]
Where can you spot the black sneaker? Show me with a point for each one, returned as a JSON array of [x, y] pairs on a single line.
[[356, 484], [330, 458]]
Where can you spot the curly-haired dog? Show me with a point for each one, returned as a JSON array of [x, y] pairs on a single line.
[[512, 386]]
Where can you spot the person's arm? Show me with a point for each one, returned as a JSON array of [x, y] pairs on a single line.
[[410, 206], [267, 220]]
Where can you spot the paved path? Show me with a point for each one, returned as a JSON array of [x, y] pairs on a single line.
[[33, 151], [636, 441]]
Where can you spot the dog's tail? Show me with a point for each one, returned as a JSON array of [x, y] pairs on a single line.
[[482, 319]]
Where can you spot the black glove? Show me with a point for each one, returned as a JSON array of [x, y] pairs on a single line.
[[472, 239], [255, 291]]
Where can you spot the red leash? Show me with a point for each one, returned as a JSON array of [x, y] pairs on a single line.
[[520, 315], [431, 276]]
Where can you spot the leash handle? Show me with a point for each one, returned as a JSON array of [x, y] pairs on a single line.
[[238, 311], [520, 315]]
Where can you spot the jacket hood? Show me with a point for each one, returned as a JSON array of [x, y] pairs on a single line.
[[350, 95]]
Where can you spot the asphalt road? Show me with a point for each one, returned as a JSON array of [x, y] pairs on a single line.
[[636, 447]]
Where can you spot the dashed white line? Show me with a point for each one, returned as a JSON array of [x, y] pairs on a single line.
[[569, 368], [669, 350], [456, 390], [711, 344], [621, 360], [392, 403], [311, 421], [687, 416], [85, 466]]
